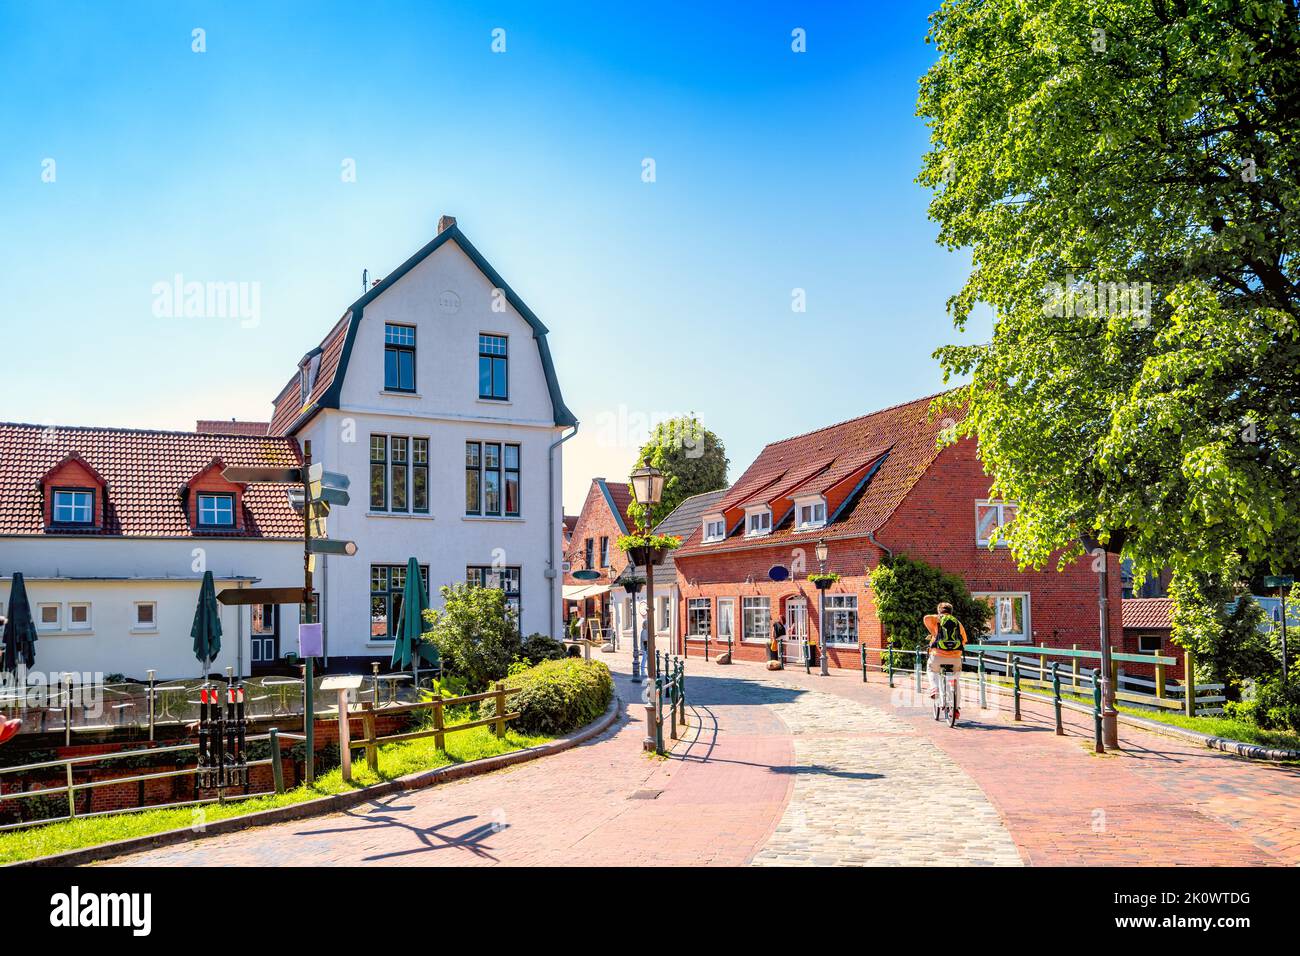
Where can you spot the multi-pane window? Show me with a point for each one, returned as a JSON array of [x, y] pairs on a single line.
[[399, 358], [399, 474], [310, 613], [758, 522], [726, 620], [491, 479], [73, 506], [216, 511], [699, 617], [590, 552], [715, 529], [989, 516], [507, 579], [493, 367], [387, 582], [841, 612], [663, 618], [1010, 618], [755, 618], [812, 514], [604, 552]]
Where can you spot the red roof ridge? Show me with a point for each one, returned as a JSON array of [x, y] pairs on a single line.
[[858, 418], [119, 430]]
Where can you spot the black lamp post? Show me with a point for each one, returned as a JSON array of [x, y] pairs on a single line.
[[1109, 713], [823, 552], [648, 486], [631, 585]]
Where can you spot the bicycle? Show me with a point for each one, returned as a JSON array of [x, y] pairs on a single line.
[[945, 703]]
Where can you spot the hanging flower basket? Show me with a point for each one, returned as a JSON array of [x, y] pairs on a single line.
[[823, 581], [643, 549]]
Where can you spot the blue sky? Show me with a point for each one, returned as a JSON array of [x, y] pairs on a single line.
[[774, 171]]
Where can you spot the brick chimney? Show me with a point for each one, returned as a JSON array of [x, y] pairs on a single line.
[[445, 223]]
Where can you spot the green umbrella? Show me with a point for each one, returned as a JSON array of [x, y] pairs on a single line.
[[207, 623], [415, 601], [20, 630]]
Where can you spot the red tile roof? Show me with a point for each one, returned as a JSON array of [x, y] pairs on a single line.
[[143, 472], [289, 404], [813, 463], [621, 493], [216, 426], [1152, 613]]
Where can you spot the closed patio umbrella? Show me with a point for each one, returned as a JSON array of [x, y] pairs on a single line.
[[408, 648], [207, 624], [20, 629]]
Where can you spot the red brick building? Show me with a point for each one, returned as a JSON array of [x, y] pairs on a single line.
[[593, 546], [867, 487]]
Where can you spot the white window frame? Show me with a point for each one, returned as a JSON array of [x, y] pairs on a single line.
[[750, 515], [812, 502], [843, 602], [1159, 642], [78, 500], [996, 634], [664, 620], [89, 622], [41, 624], [214, 497], [1001, 507], [137, 625], [731, 607], [718, 521], [693, 607], [756, 603]]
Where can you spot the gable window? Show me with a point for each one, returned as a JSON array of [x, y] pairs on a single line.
[[307, 377], [491, 479], [399, 474], [604, 552], [989, 516], [399, 358], [715, 529], [387, 582], [699, 614], [590, 552], [216, 511], [493, 367], [841, 612], [810, 514], [758, 522], [73, 506], [1010, 618]]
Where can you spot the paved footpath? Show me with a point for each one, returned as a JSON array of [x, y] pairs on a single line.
[[795, 769]]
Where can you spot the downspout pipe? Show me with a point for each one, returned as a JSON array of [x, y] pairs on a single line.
[[871, 536], [552, 545]]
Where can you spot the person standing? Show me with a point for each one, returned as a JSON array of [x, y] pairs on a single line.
[[774, 642]]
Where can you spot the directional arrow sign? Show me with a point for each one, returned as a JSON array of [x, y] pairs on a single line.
[[243, 596], [246, 473], [318, 474], [321, 492], [326, 546]]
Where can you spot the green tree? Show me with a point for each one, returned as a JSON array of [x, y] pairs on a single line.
[[1218, 620], [1124, 176], [906, 589], [692, 458], [476, 632]]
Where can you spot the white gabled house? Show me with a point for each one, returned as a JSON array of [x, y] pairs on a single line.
[[434, 393]]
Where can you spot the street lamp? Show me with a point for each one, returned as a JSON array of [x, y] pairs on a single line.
[[648, 486], [1109, 714], [631, 585], [823, 552]]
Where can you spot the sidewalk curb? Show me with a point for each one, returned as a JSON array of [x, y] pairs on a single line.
[[333, 802], [1237, 748]]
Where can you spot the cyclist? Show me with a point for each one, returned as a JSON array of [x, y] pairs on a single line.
[[947, 638]]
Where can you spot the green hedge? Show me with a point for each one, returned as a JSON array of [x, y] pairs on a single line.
[[557, 697]]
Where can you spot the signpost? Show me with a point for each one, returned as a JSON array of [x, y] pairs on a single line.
[[1280, 582], [344, 684], [320, 491]]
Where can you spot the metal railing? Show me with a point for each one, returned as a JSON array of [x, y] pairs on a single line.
[[670, 679]]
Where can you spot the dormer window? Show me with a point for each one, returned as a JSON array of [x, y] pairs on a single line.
[[715, 528], [216, 511], [73, 506], [810, 513], [758, 522], [307, 370]]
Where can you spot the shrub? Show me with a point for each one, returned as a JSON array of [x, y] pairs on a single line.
[[475, 632], [557, 697], [907, 589], [539, 647], [1274, 706]]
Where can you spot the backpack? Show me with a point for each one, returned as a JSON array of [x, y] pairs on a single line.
[[949, 636]]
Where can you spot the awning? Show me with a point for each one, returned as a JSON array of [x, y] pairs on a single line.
[[580, 592]]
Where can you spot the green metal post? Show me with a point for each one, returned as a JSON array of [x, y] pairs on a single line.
[[659, 710], [309, 717], [1056, 697], [890, 665], [1098, 746], [916, 666], [277, 768], [681, 691], [984, 694], [1015, 677]]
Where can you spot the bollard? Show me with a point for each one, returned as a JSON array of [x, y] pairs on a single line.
[[1056, 695], [706, 648], [672, 701], [1098, 746], [659, 713], [916, 666], [1015, 678], [1042, 666], [681, 690], [277, 768], [984, 694], [890, 665], [368, 725]]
